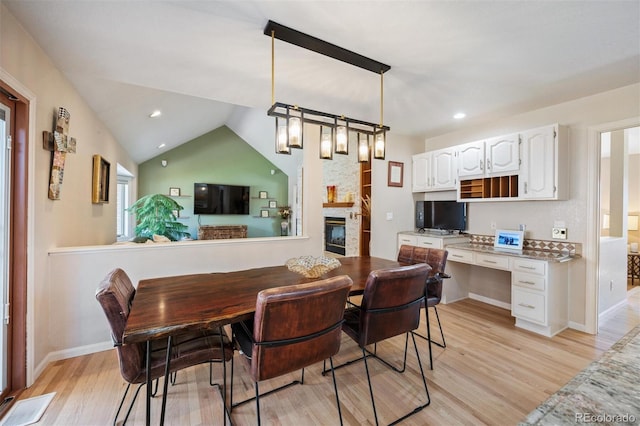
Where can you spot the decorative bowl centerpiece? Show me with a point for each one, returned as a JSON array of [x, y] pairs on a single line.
[[312, 267]]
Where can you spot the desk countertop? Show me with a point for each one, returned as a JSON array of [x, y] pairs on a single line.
[[607, 389], [546, 255]]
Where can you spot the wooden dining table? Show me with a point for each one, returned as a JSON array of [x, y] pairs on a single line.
[[169, 306]]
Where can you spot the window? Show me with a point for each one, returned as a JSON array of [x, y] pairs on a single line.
[[123, 217], [124, 229]]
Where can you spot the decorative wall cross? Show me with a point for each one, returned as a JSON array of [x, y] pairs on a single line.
[[59, 143]]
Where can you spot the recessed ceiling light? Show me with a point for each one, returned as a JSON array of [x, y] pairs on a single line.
[[156, 113], [162, 145], [459, 115]]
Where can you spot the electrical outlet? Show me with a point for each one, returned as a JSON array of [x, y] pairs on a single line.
[[559, 233]]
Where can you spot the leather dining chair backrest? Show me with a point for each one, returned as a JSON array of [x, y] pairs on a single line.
[[115, 295], [435, 258], [296, 326], [391, 303]]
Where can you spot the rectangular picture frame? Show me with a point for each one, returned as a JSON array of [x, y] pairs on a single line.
[[262, 194], [273, 204], [264, 213], [100, 181], [395, 174], [508, 239], [174, 192]]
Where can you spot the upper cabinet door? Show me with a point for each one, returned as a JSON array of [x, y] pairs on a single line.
[[502, 155], [538, 178], [421, 172], [443, 163], [471, 159]]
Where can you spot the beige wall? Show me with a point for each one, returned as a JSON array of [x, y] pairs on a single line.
[[71, 220]]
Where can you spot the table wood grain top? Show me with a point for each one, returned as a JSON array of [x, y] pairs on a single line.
[[172, 305]]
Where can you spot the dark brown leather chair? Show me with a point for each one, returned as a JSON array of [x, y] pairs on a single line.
[[437, 259], [390, 307], [293, 327], [115, 294]]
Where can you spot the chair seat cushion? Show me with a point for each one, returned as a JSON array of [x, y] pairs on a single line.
[[186, 350]]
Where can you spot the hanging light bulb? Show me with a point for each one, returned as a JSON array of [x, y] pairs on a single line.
[[282, 146], [379, 145], [342, 137], [363, 147], [379, 133], [326, 142], [295, 131]]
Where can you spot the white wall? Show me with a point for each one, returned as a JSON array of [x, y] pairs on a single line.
[[579, 116], [397, 201]]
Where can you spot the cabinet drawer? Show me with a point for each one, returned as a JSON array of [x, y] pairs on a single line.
[[463, 256], [528, 305], [429, 242], [529, 266], [407, 240], [492, 261], [531, 281]]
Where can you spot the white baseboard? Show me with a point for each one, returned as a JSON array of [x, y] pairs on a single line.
[[70, 353], [490, 301], [601, 315]]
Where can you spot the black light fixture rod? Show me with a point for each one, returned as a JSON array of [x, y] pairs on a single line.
[[317, 117], [324, 48]]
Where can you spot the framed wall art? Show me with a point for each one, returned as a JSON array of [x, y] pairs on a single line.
[[395, 173], [100, 184]]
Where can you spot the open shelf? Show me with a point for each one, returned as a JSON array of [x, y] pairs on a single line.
[[489, 187], [344, 204]]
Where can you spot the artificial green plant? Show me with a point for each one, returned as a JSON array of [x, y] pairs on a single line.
[[155, 216]]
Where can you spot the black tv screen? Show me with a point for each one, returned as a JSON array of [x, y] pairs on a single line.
[[212, 198], [445, 215]]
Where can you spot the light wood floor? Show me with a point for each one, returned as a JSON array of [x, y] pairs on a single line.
[[490, 373]]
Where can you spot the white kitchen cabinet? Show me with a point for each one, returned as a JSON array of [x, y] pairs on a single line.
[[418, 239], [471, 159], [434, 171], [502, 155], [539, 295], [497, 156], [544, 163], [421, 172]]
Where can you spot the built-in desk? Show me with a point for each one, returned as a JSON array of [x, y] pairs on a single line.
[[537, 277], [539, 283]]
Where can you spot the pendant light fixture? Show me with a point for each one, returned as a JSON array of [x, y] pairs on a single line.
[[363, 147], [326, 142], [334, 129], [342, 137], [379, 135]]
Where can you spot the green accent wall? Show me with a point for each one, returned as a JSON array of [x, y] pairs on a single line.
[[222, 157]]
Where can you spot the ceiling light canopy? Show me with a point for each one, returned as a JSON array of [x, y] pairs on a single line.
[[334, 128], [459, 115], [156, 113]]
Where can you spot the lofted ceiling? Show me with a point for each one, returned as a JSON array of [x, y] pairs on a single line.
[[197, 61]]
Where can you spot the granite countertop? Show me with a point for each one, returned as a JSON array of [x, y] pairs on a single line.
[[606, 392], [552, 256]]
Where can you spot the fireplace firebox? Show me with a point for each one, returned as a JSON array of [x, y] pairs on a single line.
[[335, 235]]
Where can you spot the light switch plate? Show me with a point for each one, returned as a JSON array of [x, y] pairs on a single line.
[[559, 233]]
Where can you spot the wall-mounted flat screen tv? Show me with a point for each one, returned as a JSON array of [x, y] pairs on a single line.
[[212, 198], [444, 215]]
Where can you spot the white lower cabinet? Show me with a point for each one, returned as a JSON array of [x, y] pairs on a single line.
[[539, 296]]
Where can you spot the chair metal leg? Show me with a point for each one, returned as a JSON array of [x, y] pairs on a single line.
[[166, 380], [428, 336], [257, 402], [335, 388], [366, 354], [373, 402], [369, 354]]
